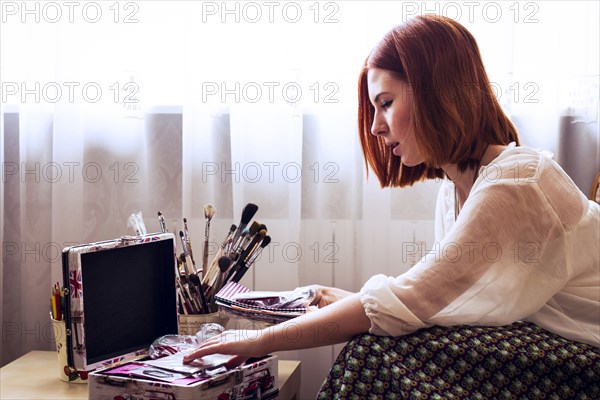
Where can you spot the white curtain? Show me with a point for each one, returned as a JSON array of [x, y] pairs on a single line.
[[109, 108]]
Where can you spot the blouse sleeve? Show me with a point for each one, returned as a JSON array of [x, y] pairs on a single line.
[[503, 259]]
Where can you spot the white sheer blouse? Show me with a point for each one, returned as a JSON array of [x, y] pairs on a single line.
[[525, 246]]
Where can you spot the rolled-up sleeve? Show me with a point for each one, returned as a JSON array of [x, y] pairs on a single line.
[[388, 315]]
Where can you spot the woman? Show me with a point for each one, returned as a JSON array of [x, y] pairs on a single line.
[[515, 239]]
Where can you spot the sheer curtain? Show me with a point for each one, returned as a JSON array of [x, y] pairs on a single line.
[[114, 108]]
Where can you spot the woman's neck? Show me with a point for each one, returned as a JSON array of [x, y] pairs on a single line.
[[464, 180]]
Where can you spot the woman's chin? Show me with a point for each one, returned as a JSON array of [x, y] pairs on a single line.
[[410, 163]]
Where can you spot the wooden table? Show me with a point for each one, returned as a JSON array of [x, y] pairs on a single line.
[[35, 376]]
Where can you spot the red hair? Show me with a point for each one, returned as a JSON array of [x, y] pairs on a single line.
[[455, 113]]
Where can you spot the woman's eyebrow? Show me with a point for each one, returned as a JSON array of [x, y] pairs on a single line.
[[377, 97]]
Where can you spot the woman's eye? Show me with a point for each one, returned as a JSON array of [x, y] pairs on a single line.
[[386, 104]]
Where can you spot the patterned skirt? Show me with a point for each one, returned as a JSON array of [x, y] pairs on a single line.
[[518, 361]]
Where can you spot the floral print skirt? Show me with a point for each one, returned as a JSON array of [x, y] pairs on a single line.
[[518, 361]]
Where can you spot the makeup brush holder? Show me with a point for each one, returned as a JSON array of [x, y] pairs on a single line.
[[190, 324]]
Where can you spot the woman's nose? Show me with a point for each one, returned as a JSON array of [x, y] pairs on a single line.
[[378, 127]]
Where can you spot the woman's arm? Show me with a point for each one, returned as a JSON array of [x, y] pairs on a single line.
[[336, 323]]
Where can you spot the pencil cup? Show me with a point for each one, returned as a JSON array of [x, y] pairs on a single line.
[[190, 324], [66, 372]]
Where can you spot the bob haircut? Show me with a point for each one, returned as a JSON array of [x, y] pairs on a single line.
[[454, 114]]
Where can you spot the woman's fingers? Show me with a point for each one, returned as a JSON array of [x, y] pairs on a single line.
[[242, 343], [201, 351], [327, 295]]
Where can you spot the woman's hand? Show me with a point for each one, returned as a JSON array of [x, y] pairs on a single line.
[[327, 295], [241, 343]]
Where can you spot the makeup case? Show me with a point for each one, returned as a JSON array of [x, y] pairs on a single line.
[[121, 297]]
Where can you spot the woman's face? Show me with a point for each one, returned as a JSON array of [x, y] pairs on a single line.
[[392, 100]]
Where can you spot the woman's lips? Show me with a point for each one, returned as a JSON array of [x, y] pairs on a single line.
[[394, 146]]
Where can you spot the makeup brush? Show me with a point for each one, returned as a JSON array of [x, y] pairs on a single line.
[[247, 213], [209, 277], [238, 269], [186, 235], [226, 243], [247, 236], [188, 288], [183, 308], [253, 245], [209, 212], [254, 255], [195, 281], [180, 269], [185, 253], [249, 260], [224, 264]]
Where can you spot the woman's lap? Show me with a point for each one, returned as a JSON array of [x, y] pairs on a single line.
[[520, 360]]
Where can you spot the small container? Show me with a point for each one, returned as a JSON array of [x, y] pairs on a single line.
[[66, 372], [190, 324]]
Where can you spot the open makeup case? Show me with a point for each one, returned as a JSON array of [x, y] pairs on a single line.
[[120, 297]]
